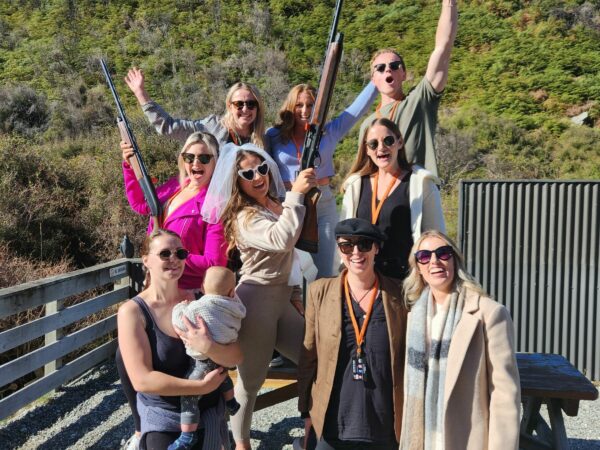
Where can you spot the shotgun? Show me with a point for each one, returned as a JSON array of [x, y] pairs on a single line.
[[136, 162], [309, 238]]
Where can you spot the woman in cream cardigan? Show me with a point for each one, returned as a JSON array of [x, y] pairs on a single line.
[[407, 200], [245, 194], [461, 383]]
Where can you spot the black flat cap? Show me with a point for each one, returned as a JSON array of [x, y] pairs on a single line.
[[359, 228]]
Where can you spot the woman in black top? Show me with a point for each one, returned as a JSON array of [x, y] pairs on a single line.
[[407, 200], [154, 355], [351, 365]]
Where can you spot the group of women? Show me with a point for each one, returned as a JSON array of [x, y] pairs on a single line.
[[242, 189]]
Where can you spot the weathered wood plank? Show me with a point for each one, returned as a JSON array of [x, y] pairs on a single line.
[[553, 376], [24, 333], [275, 396], [16, 368], [29, 295], [33, 391]]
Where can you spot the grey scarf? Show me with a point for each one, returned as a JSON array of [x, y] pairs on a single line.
[[422, 422]]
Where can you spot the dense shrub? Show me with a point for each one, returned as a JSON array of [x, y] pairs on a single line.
[[22, 110]]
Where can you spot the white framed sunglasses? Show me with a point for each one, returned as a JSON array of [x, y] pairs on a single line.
[[249, 174]]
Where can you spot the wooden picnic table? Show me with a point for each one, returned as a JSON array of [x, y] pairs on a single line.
[[550, 379]]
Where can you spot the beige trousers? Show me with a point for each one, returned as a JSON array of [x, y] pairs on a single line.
[[271, 322]]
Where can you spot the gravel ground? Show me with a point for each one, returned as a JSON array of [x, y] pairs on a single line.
[[91, 413]]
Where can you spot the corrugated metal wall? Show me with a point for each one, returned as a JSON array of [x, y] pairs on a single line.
[[534, 245]]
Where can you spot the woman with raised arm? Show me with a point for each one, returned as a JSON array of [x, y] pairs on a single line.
[[182, 197], [402, 199], [242, 122], [462, 389], [244, 194], [155, 357], [285, 142]]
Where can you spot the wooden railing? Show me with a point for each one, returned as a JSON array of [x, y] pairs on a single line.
[[117, 278], [120, 280]]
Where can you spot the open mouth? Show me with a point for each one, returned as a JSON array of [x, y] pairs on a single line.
[[389, 79], [259, 185], [384, 157], [198, 172], [357, 260], [437, 272]]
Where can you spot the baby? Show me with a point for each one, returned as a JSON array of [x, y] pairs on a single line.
[[222, 311]]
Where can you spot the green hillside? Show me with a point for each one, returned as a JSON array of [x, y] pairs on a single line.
[[519, 71]]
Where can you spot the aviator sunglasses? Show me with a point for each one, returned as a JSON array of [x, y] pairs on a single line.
[[249, 174], [250, 104], [180, 253], [394, 65], [388, 141], [202, 158], [347, 247], [443, 253]]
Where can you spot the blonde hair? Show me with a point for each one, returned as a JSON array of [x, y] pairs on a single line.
[[258, 129], [145, 249], [414, 284], [219, 281], [286, 121], [239, 201], [363, 164], [198, 137], [382, 52]]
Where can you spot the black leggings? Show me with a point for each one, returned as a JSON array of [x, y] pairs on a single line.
[[129, 391]]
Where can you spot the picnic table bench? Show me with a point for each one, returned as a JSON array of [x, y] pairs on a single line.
[[550, 379]]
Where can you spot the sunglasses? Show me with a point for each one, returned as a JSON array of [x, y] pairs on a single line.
[[180, 253], [442, 253], [250, 104], [202, 158], [249, 174], [347, 247], [394, 65], [388, 141]]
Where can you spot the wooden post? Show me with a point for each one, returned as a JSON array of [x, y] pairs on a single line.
[[53, 336]]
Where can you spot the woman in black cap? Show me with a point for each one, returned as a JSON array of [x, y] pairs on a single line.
[[350, 373]]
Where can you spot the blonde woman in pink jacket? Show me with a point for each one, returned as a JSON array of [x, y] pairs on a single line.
[[182, 198]]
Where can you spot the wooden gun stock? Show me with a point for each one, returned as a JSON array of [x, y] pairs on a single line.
[[309, 237], [136, 162]]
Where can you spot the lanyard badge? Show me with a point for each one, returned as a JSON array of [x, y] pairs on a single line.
[[359, 360]]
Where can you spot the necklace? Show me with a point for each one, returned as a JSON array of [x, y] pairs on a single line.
[[364, 295]]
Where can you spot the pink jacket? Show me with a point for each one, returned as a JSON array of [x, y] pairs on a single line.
[[206, 242]]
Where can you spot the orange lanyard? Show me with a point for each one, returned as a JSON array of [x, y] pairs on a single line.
[[392, 110], [360, 335], [298, 149], [375, 208]]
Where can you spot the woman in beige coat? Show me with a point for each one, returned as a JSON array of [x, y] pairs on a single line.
[[461, 381]]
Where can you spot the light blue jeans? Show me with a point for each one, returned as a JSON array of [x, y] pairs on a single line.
[[327, 219]]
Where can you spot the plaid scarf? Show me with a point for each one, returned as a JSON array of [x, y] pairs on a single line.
[[427, 356]]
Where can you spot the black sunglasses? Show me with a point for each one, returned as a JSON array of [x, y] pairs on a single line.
[[394, 65], [250, 104], [202, 158], [180, 253], [347, 247], [249, 174], [388, 141], [443, 253]]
